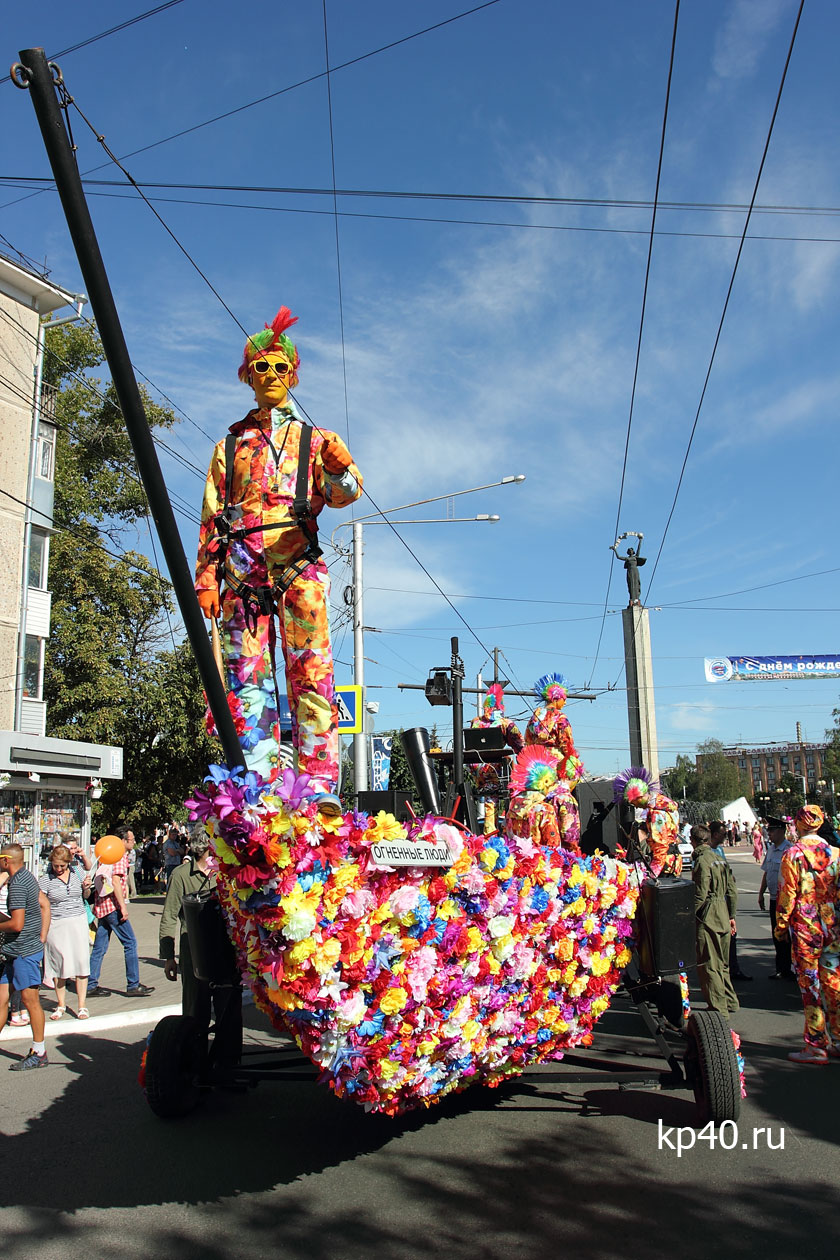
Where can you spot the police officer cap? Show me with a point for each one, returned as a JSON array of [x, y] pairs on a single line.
[[775, 822]]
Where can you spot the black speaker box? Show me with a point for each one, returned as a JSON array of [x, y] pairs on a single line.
[[393, 802], [664, 926], [599, 817]]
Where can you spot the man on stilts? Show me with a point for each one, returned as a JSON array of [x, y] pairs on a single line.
[[260, 567]]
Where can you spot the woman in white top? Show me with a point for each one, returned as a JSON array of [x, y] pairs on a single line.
[[67, 947]]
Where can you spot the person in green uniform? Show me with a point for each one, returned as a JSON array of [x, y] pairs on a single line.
[[195, 877], [715, 904]]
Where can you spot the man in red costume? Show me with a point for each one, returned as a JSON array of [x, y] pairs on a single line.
[[259, 559]]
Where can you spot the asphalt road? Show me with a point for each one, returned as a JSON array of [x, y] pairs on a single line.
[[546, 1166]]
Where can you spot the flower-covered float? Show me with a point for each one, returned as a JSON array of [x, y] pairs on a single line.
[[411, 962]]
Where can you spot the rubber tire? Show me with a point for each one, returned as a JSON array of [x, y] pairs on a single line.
[[712, 1067], [175, 1061]]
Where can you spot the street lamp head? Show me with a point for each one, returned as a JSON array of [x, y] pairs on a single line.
[[506, 481], [483, 516]]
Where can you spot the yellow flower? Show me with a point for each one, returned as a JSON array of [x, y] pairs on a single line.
[[599, 1006], [622, 958], [285, 999], [387, 1068], [577, 986], [448, 909], [470, 1030], [575, 877], [345, 877], [427, 1046], [326, 956], [393, 1000], [226, 854], [386, 827], [297, 954], [589, 925]]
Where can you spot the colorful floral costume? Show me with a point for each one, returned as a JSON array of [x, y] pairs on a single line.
[[542, 808], [807, 905], [550, 728], [258, 558], [488, 779]]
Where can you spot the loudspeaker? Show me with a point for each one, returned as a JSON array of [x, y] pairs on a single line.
[[415, 743], [664, 926], [600, 823], [393, 802]]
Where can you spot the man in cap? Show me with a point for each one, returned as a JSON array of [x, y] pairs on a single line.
[[259, 559], [778, 845]]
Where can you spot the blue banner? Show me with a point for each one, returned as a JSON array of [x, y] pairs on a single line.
[[381, 762], [763, 668]]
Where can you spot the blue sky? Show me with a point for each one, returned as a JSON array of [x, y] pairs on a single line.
[[504, 345]]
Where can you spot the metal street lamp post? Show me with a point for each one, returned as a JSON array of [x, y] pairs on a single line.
[[360, 752]]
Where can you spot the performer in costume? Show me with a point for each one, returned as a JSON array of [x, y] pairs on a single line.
[[542, 808], [550, 727], [661, 821], [488, 778], [259, 559], [807, 904], [659, 832]]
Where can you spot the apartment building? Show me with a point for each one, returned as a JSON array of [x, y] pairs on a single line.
[[765, 766], [45, 784]]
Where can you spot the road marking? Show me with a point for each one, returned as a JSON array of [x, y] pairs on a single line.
[[96, 1023]]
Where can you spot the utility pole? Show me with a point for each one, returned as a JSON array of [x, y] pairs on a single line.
[[802, 771], [36, 75], [360, 748]]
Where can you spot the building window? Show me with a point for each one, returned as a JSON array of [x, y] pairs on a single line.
[[38, 548], [33, 668], [46, 451]]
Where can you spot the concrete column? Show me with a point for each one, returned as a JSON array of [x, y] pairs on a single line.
[[641, 710]]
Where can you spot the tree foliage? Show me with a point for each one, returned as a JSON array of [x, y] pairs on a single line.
[[680, 782], [113, 673], [717, 777]]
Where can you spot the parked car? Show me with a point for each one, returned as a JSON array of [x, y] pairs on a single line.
[[686, 853]]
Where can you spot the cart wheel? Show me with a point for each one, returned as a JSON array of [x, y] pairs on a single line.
[[175, 1059], [712, 1067]]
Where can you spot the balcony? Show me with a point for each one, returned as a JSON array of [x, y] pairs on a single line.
[[38, 605], [33, 716]]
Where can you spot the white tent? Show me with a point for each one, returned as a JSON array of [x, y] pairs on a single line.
[[739, 811]]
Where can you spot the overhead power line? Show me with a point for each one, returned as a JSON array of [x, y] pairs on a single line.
[[112, 30], [641, 331], [722, 320], [606, 203]]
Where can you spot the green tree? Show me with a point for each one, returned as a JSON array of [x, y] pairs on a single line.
[[787, 797], [113, 673], [831, 760], [718, 779], [680, 782]]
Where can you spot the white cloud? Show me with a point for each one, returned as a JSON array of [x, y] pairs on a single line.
[[744, 35]]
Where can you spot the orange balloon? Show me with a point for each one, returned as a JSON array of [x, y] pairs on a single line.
[[109, 849]]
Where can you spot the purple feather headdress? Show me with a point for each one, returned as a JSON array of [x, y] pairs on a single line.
[[634, 786]]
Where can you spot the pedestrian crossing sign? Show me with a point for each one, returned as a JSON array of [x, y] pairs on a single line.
[[350, 709]]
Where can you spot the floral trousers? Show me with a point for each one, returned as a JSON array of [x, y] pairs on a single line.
[[303, 640], [817, 966]]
